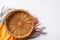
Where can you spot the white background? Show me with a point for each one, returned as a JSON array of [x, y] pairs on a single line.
[[47, 11]]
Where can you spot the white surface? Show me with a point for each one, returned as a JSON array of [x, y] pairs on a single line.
[[48, 12]]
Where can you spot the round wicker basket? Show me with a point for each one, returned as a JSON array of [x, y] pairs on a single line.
[[19, 23]]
